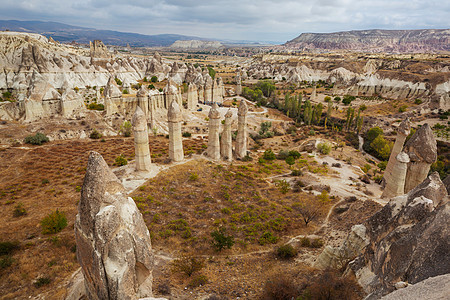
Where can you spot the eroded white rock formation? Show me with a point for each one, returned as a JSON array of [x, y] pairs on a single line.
[[241, 138], [113, 242], [395, 186], [141, 147], [174, 117], [226, 141], [213, 135]]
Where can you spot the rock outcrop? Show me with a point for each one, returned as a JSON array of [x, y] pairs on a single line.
[[174, 117], [113, 242], [141, 147], [226, 141], [213, 135], [408, 240], [422, 151], [241, 138]]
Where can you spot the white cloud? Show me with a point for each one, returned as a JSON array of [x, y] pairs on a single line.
[[235, 19]]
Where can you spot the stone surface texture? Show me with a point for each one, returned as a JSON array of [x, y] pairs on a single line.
[[241, 138], [402, 132], [422, 151], [213, 135], [395, 186], [174, 117], [408, 240], [226, 141], [113, 242], [141, 147]]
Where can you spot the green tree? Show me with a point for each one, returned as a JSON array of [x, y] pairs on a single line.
[[212, 72], [267, 87]]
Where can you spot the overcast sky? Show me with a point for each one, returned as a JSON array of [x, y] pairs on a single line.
[[258, 20]]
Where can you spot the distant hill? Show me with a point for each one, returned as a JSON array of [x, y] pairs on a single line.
[[67, 33], [390, 41]]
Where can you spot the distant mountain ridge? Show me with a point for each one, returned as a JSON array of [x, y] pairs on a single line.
[[375, 40], [67, 33]]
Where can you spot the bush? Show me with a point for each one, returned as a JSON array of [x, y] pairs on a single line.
[[221, 240], [118, 81], [6, 262], [41, 281], [418, 101], [121, 161], [348, 99], [126, 128], [324, 148], [280, 287], [402, 108], [95, 106], [37, 139], [54, 222], [316, 243], [305, 242], [297, 173], [95, 135], [187, 265], [154, 79], [286, 252], [283, 185], [197, 281], [283, 154], [290, 160], [268, 238], [7, 248], [19, 210], [186, 134], [295, 154], [151, 87], [269, 155], [382, 165], [125, 91]]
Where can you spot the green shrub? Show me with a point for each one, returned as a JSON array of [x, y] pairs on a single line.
[[187, 265], [297, 173], [186, 134], [382, 165], [283, 185], [269, 155], [418, 101], [121, 161], [95, 135], [193, 176], [19, 210], [54, 222], [125, 91], [402, 108], [41, 281], [95, 106], [290, 160], [324, 148], [118, 81], [286, 252], [151, 87], [221, 240], [6, 262], [37, 139], [7, 248], [154, 79], [295, 154], [197, 281], [126, 128], [268, 238], [283, 154]]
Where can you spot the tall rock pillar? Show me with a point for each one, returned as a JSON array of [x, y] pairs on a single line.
[[141, 148], [142, 97], [175, 140], [395, 186], [226, 142], [422, 151], [192, 97], [113, 243], [241, 139], [213, 136], [238, 85], [402, 133]]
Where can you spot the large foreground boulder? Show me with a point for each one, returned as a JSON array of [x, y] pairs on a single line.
[[113, 242], [408, 240]]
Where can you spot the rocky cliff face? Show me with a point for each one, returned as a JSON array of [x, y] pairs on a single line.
[[388, 41], [408, 240], [195, 44]]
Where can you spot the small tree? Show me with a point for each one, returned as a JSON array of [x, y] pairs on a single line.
[[37, 139], [54, 222], [221, 240], [154, 79], [125, 128], [309, 211]]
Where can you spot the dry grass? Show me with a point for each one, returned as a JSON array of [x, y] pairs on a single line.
[[46, 178]]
